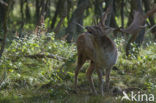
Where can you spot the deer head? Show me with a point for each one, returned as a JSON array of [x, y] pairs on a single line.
[[101, 28]]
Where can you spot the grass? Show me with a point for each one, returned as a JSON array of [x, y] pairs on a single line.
[[42, 81]]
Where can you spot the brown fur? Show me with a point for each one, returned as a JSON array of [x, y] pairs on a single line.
[[102, 53], [94, 45]]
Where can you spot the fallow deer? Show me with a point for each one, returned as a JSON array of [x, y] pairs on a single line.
[[96, 46]]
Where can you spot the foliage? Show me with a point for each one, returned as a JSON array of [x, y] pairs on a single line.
[[48, 79], [38, 66], [25, 72]]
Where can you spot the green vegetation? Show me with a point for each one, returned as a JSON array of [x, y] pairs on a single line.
[[46, 79], [38, 54]]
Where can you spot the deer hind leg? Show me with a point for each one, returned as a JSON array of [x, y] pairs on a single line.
[[89, 77], [81, 61], [107, 78], [100, 74]]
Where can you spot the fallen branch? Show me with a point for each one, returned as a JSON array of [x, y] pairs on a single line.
[[35, 56]]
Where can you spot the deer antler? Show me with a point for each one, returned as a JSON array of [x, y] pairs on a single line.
[[138, 22], [104, 16], [101, 27]]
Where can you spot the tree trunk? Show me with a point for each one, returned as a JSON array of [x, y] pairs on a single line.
[[69, 8], [98, 9], [122, 13], [137, 38], [47, 8], [109, 3], [37, 13], [76, 18], [58, 7], [43, 6], [27, 12], [3, 23], [113, 21], [147, 4], [140, 37], [22, 13], [62, 17]]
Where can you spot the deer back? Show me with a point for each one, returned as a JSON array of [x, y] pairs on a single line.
[[100, 49]]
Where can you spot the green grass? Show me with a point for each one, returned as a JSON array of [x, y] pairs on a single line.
[[28, 80]]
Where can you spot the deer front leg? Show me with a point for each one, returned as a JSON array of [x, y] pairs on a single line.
[[107, 78], [99, 72], [81, 61], [90, 79]]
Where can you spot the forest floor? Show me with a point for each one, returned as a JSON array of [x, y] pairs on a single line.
[[49, 80]]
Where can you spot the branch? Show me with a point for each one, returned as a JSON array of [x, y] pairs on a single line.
[[150, 12], [35, 56], [56, 30], [4, 3], [150, 29]]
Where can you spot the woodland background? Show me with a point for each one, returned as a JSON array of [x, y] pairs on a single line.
[[38, 52]]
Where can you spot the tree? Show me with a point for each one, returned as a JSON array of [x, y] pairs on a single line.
[[135, 38], [22, 13], [27, 11], [77, 16], [59, 5], [147, 4], [62, 16], [3, 23]]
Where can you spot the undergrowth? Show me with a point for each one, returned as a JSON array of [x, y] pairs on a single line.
[[46, 80]]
